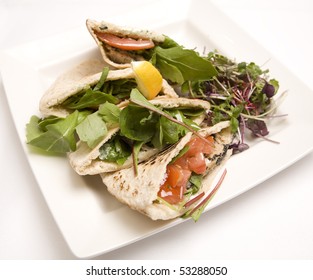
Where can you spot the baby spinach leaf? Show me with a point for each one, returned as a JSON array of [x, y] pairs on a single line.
[[137, 123], [192, 66], [170, 72]]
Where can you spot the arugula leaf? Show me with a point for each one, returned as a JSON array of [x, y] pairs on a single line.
[[137, 98], [167, 132], [33, 130], [42, 123], [119, 88], [115, 150], [90, 99], [58, 137], [110, 113], [136, 149], [196, 182], [172, 132], [92, 129], [196, 212], [103, 78]]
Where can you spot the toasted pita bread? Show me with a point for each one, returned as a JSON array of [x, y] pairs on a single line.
[[85, 161], [116, 57], [141, 192], [77, 79]]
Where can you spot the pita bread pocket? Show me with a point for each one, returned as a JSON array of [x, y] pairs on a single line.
[[142, 192], [119, 45], [61, 98], [90, 161]]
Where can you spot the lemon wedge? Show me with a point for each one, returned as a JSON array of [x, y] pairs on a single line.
[[148, 78]]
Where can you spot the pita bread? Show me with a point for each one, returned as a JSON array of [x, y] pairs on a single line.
[[80, 77], [141, 192], [85, 161], [117, 58]]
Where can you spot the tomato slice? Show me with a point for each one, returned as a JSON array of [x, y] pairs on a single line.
[[124, 43]]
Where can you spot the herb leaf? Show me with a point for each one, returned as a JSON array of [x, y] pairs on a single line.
[[103, 78], [137, 98], [56, 137], [115, 150], [92, 129], [241, 93], [90, 99], [110, 113], [137, 123], [191, 66]]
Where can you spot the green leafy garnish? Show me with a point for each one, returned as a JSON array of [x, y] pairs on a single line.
[[115, 150], [179, 65], [241, 93], [103, 77], [137, 98], [137, 123], [136, 149], [92, 129], [89, 99], [196, 212], [113, 91], [110, 114], [57, 136]]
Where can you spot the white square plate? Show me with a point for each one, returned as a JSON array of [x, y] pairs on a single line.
[[90, 219]]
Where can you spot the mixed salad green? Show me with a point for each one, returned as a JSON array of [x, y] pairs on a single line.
[[239, 92]]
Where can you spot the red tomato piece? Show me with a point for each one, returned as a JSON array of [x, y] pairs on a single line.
[[174, 187], [198, 145], [179, 172], [174, 175], [182, 162], [184, 178], [124, 43], [171, 195], [197, 163], [195, 146], [208, 148]]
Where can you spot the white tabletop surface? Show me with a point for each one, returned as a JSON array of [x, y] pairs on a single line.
[[272, 221]]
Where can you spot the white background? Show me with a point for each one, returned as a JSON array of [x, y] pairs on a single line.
[[272, 221]]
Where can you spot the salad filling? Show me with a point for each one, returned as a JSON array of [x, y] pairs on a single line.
[[135, 132], [178, 180]]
